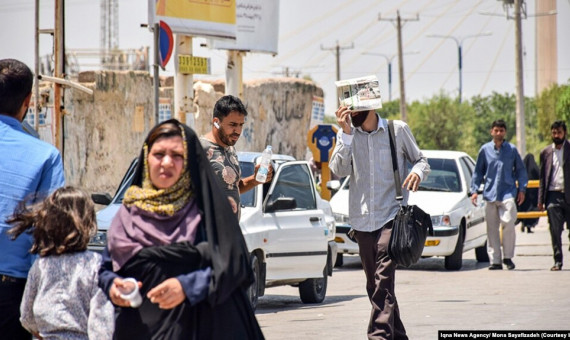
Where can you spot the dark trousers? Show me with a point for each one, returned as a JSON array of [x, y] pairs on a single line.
[[558, 211], [385, 322], [11, 292]]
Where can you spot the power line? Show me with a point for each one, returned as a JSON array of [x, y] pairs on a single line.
[[337, 50], [398, 23]]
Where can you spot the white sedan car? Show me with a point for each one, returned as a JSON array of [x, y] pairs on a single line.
[[458, 225]]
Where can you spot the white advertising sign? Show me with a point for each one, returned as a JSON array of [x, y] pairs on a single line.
[[257, 27]]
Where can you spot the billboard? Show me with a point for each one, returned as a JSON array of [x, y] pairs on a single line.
[[210, 18], [257, 27]]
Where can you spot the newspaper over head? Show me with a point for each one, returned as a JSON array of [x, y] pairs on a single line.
[[359, 94]]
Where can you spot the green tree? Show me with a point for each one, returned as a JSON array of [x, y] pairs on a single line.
[[563, 104], [436, 124], [546, 103], [490, 108], [390, 110]]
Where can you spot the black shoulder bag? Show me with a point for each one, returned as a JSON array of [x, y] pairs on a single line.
[[411, 224]]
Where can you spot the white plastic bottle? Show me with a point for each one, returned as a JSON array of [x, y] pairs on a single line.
[[264, 167]]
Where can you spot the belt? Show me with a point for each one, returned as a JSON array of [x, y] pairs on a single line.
[[11, 279]]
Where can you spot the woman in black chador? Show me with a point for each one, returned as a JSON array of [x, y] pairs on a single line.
[[531, 198], [180, 240]]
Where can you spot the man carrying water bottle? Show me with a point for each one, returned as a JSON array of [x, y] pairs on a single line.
[[227, 125]]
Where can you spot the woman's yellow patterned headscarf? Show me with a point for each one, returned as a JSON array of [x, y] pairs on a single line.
[[161, 201]]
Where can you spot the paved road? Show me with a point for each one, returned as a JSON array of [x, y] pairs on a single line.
[[531, 297]]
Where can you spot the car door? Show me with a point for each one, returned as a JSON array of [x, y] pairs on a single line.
[[296, 246], [476, 226]]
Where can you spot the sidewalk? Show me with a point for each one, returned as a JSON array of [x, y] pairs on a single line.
[[539, 244]]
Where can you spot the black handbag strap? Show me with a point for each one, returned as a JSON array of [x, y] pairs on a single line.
[[397, 180]]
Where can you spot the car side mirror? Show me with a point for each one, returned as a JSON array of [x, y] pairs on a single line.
[[281, 203], [102, 198], [333, 185]]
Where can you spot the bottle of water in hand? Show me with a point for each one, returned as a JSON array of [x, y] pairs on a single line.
[[264, 167]]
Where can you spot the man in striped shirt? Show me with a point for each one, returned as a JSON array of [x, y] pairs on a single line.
[[363, 152]]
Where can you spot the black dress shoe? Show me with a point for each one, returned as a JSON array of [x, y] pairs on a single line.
[[496, 267], [510, 265], [557, 267]]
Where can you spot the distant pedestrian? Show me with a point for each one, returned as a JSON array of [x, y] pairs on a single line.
[[554, 189], [531, 198], [29, 167], [500, 164], [62, 299]]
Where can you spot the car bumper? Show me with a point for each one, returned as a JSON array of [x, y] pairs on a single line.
[[443, 242], [345, 245]]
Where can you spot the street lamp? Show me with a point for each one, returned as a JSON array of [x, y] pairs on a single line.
[[389, 62], [459, 41]]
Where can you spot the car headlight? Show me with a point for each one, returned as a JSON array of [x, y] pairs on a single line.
[[441, 220], [100, 239], [340, 218]]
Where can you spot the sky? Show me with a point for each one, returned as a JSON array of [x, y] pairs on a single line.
[[309, 28]]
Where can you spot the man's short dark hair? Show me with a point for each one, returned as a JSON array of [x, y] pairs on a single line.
[[499, 123], [558, 124], [16, 80], [227, 104]]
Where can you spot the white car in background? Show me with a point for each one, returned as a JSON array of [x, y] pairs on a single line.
[[458, 225]]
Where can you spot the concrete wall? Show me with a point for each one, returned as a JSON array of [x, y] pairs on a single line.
[[104, 132]]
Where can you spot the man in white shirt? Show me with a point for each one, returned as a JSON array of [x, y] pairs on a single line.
[[554, 189]]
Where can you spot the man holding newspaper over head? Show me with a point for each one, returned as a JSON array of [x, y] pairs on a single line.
[[363, 152]]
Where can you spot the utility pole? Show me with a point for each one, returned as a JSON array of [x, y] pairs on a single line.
[[519, 14], [59, 71], [155, 70], [521, 143], [337, 50], [389, 62], [459, 42], [37, 66], [398, 20], [183, 83]]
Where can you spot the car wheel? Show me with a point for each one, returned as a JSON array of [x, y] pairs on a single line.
[[253, 291], [313, 290], [339, 260], [455, 260], [481, 253]]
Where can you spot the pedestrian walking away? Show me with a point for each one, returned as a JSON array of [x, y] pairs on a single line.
[[500, 164], [182, 244], [363, 152], [62, 299], [554, 189], [29, 168], [531, 197]]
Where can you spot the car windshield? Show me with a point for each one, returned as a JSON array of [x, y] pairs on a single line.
[[247, 198], [444, 176]]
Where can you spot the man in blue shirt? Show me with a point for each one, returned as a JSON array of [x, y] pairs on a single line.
[[500, 165], [30, 168]]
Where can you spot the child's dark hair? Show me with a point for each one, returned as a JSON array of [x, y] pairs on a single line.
[[62, 223]]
